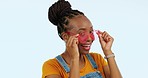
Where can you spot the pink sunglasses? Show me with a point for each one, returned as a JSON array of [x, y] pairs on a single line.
[[83, 37]]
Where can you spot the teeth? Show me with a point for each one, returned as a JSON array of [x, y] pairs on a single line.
[[86, 45]]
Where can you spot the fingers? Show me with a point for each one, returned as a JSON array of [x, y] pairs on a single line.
[[72, 41], [103, 36], [106, 37], [98, 32], [69, 41], [101, 39]]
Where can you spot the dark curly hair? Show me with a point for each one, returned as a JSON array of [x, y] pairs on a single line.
[[60, 13]]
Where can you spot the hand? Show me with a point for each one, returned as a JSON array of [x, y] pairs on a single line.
[[72, 46], [106, 42]]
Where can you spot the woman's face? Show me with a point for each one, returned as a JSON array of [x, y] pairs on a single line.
[[82, 26]]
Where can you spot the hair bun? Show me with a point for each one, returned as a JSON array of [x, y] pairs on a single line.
[[57, 10]]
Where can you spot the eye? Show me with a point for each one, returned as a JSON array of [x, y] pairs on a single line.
[[82, 33], [91, 32]]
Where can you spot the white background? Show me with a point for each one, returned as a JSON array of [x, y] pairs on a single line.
[[28, 39]]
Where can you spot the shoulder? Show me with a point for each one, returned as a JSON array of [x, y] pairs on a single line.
[[51, 62], [50, 67]]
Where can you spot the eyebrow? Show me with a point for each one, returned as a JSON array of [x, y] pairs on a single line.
[[82, 29]]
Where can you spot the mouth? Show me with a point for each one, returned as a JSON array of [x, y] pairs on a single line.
[[86, 47]]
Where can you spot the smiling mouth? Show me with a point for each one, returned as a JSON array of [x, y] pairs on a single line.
[[86, 47]]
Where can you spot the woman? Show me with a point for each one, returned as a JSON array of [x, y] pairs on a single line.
[[76, 62]]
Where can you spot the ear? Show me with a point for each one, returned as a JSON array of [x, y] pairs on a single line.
[[65, 36]]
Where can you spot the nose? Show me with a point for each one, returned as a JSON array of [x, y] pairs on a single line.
[[90, 37]]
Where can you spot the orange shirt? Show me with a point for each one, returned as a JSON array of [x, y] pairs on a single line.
[[52, 66]]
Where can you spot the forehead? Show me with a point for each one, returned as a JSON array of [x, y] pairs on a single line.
[[79, 22]]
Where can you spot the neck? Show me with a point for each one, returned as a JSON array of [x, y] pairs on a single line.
[[81, 58]]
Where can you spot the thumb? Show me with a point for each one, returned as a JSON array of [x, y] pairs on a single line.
[[100, 37], [99, 33], [102, 42]]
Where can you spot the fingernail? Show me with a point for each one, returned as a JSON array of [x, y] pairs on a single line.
[[77, 35], [98, 32]]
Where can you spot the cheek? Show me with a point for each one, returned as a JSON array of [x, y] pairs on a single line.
[[92, 37]]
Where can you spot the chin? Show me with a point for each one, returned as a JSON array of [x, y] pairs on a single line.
[[84, 52]]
